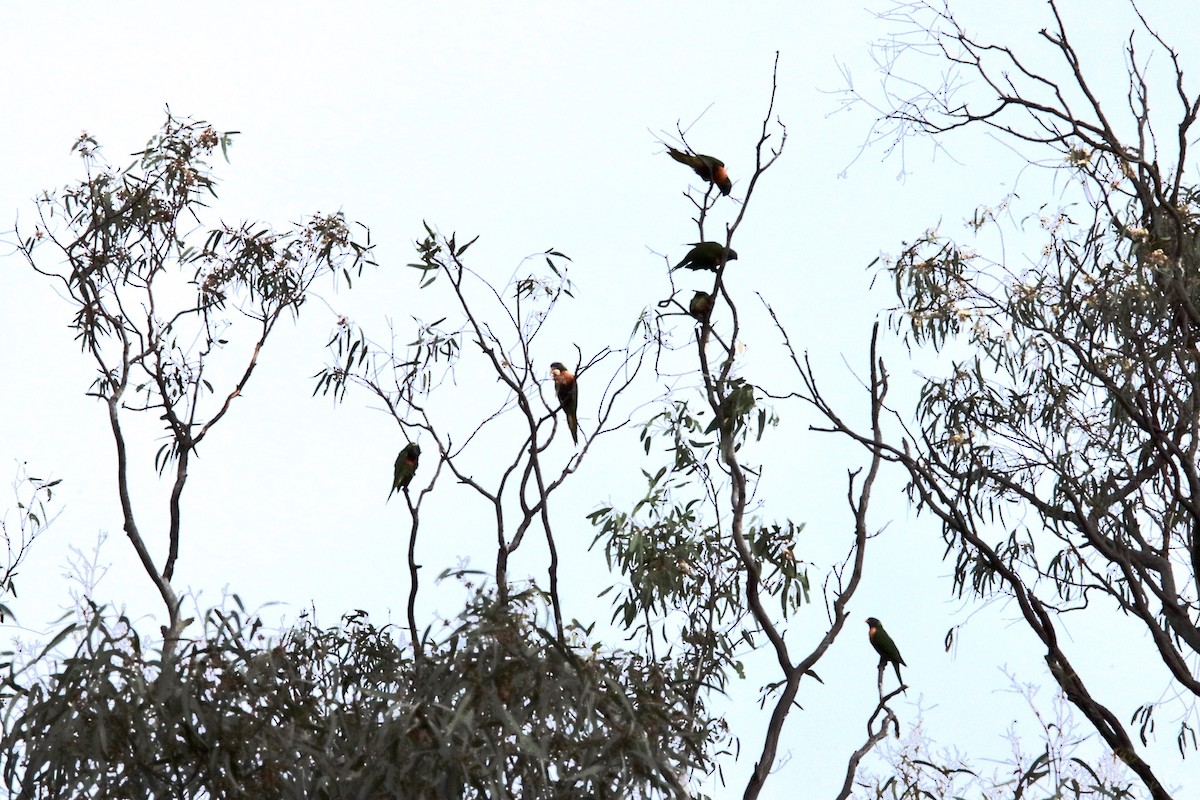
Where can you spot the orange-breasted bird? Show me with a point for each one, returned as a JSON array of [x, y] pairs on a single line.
[[567, 392], [884, 645], [707, 167], [406, 467]]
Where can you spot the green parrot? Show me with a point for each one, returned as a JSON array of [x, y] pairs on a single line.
[[406, 467], [567, 391], [701, 306], [707, 255], [884, 645], [709, 168]]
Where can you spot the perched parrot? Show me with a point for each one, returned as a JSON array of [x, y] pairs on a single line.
[[567, 392], [884, 645], [701, 306], [406, 467], [707, 255], [709, 168]]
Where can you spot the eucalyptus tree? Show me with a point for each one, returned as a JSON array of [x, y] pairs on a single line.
[[1058, 446]]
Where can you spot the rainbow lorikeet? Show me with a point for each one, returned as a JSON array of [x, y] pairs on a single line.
[[884, 645], [406, 467], [701, 306], [567, 391], [707, 167], [707, 255]]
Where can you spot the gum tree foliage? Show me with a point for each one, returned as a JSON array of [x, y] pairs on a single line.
[[708, 579], [701, 582], [1058, 445], [508, 699], [154, 296], [545, 709], [1074, 403], [511, 696], [497, 708], [34, 512]]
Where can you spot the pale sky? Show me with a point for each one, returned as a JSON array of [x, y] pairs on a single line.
[[532, 125]]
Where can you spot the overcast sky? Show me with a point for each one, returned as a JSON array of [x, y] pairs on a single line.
[[532, 125]]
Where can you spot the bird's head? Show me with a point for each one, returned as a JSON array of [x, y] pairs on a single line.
[[873, 623], [557, 366], [730, 254]]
